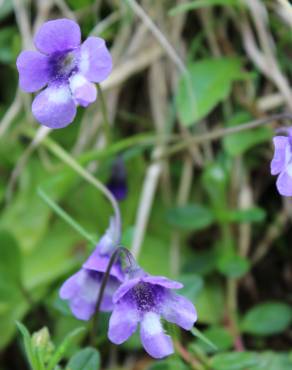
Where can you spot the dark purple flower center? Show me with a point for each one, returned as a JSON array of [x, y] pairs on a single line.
[[147, 297], [63, 64]]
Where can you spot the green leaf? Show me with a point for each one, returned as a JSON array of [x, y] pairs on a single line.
[[63, 348], [210, 303], [233, 266], [10, 258], [86, 359], [208, 82], [155, 246], [201, 262], [191, 217], [274, 361], [204, 339], [28, 345], [234, 361], [267, 319], [193, 284], [240, 142], [192, 5], [10, 269], [254, 214], [220, 338], [169, 364]]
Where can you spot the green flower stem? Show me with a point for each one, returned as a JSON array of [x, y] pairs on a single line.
[[71, 162]]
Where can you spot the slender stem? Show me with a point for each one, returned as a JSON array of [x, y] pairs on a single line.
[[104, 281], [106, 122], [70, 221], [217, 134], [70, 161], [232, 313]]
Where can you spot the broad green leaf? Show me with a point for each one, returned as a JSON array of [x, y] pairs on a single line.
[[274, 361], [7, 321], [207, 83], [10, 269], [191, 217], [220, 338], [201, 262], [240, 142], [210, 303], [10, 258], [233, 266], [234, 361], [169, 364], [192, 5], [193, 284], [53, 258], [86, 359], [267, 319], [254, 214], [155, 249], [215, 180]]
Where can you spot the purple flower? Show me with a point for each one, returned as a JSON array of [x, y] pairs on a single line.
[[117, 183], [282, 164], [66, 68], [145, 299], [82, 288]]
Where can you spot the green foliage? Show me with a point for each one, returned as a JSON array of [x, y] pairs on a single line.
[[10, 259], [267, 319], [210, 303], [42, 355], [193, 285], [191, 217], [239, 143], [234, 361], [232, 265], [169, 364], [204, 339], [205, 85], [86, 359], [45, 236], [220, 338]]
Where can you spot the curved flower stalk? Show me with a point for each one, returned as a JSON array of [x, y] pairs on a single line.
[[145, 299], [82, 289], [66, 67], [281, 163]]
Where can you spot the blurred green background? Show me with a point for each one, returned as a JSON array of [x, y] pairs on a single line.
[[215, 220]]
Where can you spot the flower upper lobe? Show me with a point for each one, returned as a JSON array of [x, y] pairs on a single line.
[[145, 300], [82, 288], [282, 164], [66, 67]]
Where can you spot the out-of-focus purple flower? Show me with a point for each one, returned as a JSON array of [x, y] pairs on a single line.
[[66, 68], [282, 164], [145, 299], [82, 288], [117, 183]]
